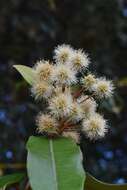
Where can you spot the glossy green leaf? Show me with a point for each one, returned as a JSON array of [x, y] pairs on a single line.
[[54, 164], [10, 179], [93, 184], [26, 72]]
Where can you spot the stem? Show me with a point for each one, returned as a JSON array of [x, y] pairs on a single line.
[[85, 99], [63, 88], [77, 94], [27, 186], [63, 127], [90, 96], [66, 125], [12, 166]]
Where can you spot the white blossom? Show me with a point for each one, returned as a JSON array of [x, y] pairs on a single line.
[[46, 123], [79, 60], [75, 113], [63, 74], [43, 70], [88, 105], [62, 54], [95, 126], [103, 88], [60, 105], [41, 90], [88, 81]]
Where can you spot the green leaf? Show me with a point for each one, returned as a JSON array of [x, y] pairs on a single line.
[[54, 164], [93, 184], [26, 72], [122, 82], [10, 179]]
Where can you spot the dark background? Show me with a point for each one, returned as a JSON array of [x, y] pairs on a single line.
[[29, 30]]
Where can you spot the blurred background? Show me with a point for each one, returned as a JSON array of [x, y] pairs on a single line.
[[29, 30]]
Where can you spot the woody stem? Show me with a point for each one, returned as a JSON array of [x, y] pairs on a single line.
[[77, 94]]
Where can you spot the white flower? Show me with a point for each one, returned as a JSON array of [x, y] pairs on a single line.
[[43, 70], [79, 60], [63, 74], [41, 90], [94, 127], [103, 88], [62, 54], [69, 96], [88, 106], [88, 81], [46, 123], [60, 104], [75, 113]]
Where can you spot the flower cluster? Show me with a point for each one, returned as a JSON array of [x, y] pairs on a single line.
[[71, 100]]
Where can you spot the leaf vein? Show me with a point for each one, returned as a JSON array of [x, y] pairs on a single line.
[[53, 164]]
